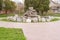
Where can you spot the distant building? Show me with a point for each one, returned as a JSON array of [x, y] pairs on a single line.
[[55, 6], [20, 7]]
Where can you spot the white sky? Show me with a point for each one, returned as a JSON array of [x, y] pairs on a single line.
[[57, 1], [22, 1]]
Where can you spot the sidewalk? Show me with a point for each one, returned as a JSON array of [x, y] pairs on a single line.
[[37, 31]]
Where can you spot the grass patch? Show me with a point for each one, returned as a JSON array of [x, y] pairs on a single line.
[[54, 14], [11, 14], [3, 15], [55, 19], [11, 34], [7, 20]]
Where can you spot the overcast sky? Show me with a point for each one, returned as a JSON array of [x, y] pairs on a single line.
[[22, 1], [57, 1]]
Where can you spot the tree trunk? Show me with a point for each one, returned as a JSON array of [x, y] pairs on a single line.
[[41, 13], [6, 12]]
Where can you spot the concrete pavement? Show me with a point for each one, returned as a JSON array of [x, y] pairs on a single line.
[[37, 31]]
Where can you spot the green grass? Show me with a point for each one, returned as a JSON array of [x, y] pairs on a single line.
[[55, 19], [11, 34], [54, 14], [7, 20], [3, 15], [11, 14]]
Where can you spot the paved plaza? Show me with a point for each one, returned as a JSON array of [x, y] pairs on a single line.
[[37, 31]]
